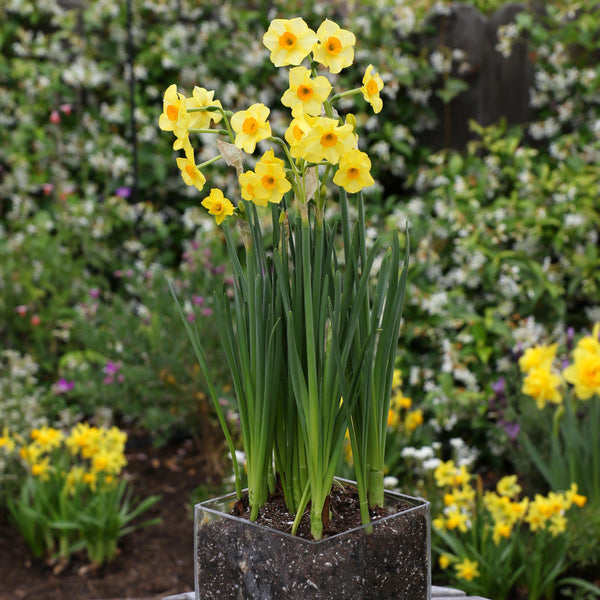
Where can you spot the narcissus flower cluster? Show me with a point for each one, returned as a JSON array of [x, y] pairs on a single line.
[[499, 516], [89, 456], [316, 136]]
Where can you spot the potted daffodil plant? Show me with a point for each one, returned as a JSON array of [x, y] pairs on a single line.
[[310, 338]]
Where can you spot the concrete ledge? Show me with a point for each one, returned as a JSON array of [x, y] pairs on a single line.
[[437, 593]]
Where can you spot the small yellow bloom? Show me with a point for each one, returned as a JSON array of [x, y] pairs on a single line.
[[218, 205], [558, 524], [202, 98], [6, 441], [326, 140], [353, 173], [298, 128], [372, 85], [290, 41], [190, 173], [584, 374], [397, 378], [543, 386], [400, 401], [508, 486], [444, 561], [174, 117], [393, 419], [271, 182], [249, 181], [90, 478], [251, 126], [444, 473], [575, 498], [467, 569], [590, 343], [41, 469], [309, 92], [47, 438], [335, 49], [414, 419], [456, 519], [502, 529], [538, 357]]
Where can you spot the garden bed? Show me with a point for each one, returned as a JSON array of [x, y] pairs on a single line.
[[153, 562]]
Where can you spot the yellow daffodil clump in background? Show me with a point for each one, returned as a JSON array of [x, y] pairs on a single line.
[[480, 529], [72, 495]]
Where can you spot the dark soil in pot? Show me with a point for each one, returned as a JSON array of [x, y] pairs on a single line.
[[238, 560]]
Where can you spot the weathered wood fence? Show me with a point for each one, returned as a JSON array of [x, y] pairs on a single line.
[[498, 85]]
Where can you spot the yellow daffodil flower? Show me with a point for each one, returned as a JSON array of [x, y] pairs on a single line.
[[6, 441], [353, 173], [414, 419], [590, 343], [290, 41], [372, 85], [574, 497], [335, 49], [174, 117], [251, 126], [249, 181], [508, 486], [326, 140], [309, 92], [272, 183], [41, 469], [444, 473], [584, 374], [201, 98], [218, 205], [299, 126], [190, 173], [444, 561], [467, 569], [47, 438], [502, 529], [538, 357], [393, 419], [543, 386]]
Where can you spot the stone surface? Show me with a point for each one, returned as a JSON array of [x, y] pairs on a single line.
[[437, 593]]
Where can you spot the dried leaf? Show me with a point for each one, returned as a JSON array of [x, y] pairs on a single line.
[[232, 155]]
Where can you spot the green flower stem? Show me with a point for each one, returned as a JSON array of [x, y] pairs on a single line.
[[341, 95], [208, 162], [284, 146], [214, 131]]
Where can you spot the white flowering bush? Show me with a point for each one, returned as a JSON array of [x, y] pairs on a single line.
[[20, 409]]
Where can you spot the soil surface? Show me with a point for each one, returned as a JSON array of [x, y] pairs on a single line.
[[153, 562]]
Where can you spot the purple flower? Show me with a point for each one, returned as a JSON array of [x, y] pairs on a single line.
[[112, 368], [95, 293], [207, 311], [191, 317], [197, 300], [123, 192], [62, 386], [512, 429], [499, 386]]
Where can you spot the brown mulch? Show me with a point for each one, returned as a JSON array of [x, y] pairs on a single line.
[[153, 562]]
